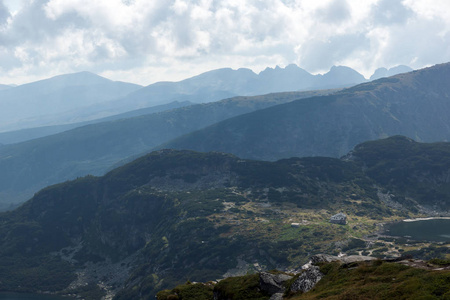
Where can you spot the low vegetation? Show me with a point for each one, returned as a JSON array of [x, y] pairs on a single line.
[[379, 280], [365, 280], [176, 216]]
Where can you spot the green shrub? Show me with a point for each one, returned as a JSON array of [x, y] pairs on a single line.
[[240, 288], [188, 291], [440, 262]]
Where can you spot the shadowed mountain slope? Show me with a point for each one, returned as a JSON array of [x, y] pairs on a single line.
[[12, 137], [84, 96], [26, 167], [415, 104]]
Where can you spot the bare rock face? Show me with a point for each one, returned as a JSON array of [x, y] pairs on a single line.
[[277, 296], [325, 258], [273, 283], [356, 258], [307, 280], [312, 275]]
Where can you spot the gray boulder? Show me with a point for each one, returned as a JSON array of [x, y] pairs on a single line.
[[356, 258], [277, 296], [323, 258], [273, 283], [307, 280]]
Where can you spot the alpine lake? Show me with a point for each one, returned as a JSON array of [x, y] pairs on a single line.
[[429, 230]]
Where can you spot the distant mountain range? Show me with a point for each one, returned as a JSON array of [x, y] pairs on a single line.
[[84, 96], [415, 104], [17, 136], [58, 100], [4, 87], [383, 72], [94, 148], [29, 166], [223, 83]]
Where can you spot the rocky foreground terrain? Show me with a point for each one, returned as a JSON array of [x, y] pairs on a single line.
[[325, 276], [173, 216]]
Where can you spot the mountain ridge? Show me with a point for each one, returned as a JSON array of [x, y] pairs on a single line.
[[384, 72], [84, 96], [414, 104], [13, 137], [176, 215], [226, 82], [95, 148], [46, 101]]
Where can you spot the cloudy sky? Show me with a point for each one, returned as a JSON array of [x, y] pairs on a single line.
[[145, 41]]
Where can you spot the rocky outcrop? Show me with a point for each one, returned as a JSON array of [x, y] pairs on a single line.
[[325, 258], [312, 275], [277, 296], [273, 283], [307, 280]]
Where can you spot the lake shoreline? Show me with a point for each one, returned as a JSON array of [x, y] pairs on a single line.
[[429, 229], [426, 219]]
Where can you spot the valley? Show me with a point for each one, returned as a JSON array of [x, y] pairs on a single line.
[[224, 150], [268, 127], [173, 216], [96, 148], [413, 104], [148, 220]]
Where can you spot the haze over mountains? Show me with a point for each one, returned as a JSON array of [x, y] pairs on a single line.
[[383, 72], [224, 83], [21, 135], [97, 145], [4, 87], [152, 222], [415, 104], [85, 96], [57, 100], [155, 150], [29, 166], [265, 134]]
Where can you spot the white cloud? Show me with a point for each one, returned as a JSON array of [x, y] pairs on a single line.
[[4, 14], [336, 12], [147, 41], [391, 12]]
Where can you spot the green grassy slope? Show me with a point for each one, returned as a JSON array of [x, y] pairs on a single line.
[[376, 280]]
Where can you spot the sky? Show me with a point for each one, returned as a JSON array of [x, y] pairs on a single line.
[[145, 41]]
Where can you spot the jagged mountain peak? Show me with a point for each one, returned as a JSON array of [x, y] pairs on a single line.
[[413, 104], [384, 72], [291, 69]]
